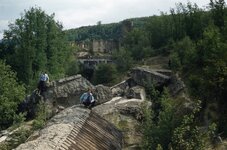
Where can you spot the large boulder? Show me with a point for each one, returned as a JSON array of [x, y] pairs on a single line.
[[29, 104], [67, 91], [176, 85], [102, 94], [125, 114], [75, 128], [122, 88], [137, 92], [145, 76]]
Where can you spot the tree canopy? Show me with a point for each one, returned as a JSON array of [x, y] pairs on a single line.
[[11, 94], [35, 43]]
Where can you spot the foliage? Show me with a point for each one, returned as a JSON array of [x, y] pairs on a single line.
[[112, 31], [183, 54], [159, 147], [212, 56], [19, 119], [34, 43], [158, 30], [158, 127], [188, 20], [137, 43], [122, 59], [188, 136], [105, 73], [218, 12], [41, 116], [72, 68], [100, 31], [18, 137], [11, 94], [202, 60], [169, 131]]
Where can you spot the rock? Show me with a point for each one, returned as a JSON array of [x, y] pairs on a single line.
[[144, 77], [83, 54], [75, 128], [164, 71], [124, 111], [102, 94], [4, 132], [176, 85], [137, 92], [122, 88], [3, 138], [126, 115], [67, 91]]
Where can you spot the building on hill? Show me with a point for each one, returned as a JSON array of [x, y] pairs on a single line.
[[91, 63], [104, 46], [98, 46], [84, 45]]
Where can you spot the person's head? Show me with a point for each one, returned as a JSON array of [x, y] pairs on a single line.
[[89, 90]]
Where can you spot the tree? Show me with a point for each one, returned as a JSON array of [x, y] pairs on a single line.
[[73, 68], [11, 94], [195, 21], [212, 56], [159, 122], [158, 29], [178, 21], [123, 59], [137, 43], [188, 20], [183, 54], [105, 73], [218, 12], [35, 42], [188, 136]]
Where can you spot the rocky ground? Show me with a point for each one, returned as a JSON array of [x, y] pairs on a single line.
[[120, 105]]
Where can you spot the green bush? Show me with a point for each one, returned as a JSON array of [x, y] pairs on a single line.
[[11, 94], [40, 119], [15, 139], [105, 74]]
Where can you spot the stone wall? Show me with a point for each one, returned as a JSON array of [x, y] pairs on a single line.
[[144, 77], [91, 63], [100, 46], [121, 88], [104, 46], [176, 85]]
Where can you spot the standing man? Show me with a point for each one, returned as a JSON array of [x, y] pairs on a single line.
[[43, 80]]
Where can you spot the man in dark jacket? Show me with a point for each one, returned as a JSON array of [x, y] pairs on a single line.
[[87, 99]]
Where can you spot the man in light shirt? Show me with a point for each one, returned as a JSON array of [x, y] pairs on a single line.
[[43, 80]]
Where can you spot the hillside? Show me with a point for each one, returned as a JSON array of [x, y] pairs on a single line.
[[112, 31]]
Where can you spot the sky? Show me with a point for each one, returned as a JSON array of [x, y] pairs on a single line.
[[77, 13]]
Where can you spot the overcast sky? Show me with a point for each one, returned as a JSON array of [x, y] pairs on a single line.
[[76, 13]]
